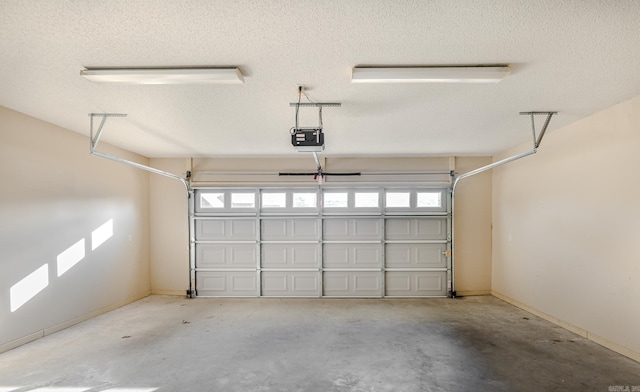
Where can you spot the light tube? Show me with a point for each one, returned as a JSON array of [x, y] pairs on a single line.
[[461, 74], [164, 75]]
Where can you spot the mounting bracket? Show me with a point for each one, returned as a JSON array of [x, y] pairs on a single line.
[[315, 104], [95, 139], [537, 140]]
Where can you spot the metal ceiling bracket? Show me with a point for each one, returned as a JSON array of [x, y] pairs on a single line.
[[537, 140], [315, 104], [95, 139]]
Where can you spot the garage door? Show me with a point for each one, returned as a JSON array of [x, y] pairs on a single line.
[[321, 242]]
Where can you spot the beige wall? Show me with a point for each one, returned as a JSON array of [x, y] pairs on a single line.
[[566, 223], [473, 229], [53, 195], [169, 230], [169, 246]]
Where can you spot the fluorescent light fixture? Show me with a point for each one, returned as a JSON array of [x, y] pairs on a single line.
[[455, 74], [206, 75]]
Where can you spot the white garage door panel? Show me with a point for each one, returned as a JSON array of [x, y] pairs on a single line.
[[415, 284], [290, 230], [231, 284], [290, 284], [352, 256], [340, 229], [210, 229], [352, 284], [323, 241], [416, 229], [290, 256], [226, 229], [416, 255], [226, 255]]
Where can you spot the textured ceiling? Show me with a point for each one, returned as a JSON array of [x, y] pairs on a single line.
[[574, 57]]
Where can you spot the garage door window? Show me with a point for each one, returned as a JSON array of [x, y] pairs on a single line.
[[304, 200], [429, 199], [274, 200], [398, 199], [212, 200], [243, 200], [336, 200], [367, 200]]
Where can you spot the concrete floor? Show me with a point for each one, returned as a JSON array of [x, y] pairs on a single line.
[[175, 344]]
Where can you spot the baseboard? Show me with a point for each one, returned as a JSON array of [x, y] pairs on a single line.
[[20, 341], [471, 293], [627, 352], [174, 293], [615, 347], [48, 331]]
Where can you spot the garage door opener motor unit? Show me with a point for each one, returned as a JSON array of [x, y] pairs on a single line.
[[308, 139]]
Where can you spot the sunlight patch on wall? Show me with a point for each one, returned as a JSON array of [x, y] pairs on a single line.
[[28, 287], [70, 257], [101, 234], [9, 389]]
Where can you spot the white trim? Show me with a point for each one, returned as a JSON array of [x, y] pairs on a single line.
[[627, 352], [69, 323]]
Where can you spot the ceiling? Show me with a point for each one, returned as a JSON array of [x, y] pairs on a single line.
[[575, 57]]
